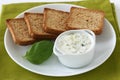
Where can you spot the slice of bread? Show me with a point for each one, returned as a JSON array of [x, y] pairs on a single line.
[[35, 26], [81, 18], [54, 20], [19, 31]]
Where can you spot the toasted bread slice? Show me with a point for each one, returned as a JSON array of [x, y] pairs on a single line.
[[81, 18], [54, 20], [19, 31], [35, 26]]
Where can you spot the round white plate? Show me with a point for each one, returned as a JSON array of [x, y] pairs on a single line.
[[105, 44]]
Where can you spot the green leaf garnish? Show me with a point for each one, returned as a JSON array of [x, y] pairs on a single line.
[[39, 52]]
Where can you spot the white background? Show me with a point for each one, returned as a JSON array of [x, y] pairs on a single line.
[[116, 2]]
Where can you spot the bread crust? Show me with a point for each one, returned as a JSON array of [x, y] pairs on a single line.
[[13, 34], [38, 36], [96, 31], [28, 24], [48, 28]]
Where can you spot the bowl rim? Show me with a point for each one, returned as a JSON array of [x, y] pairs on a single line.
[[56, 50]]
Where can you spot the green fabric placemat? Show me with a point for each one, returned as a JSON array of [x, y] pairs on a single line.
[[9, 70]]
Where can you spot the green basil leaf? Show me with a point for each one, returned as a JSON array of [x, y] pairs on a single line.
[[39, 52]]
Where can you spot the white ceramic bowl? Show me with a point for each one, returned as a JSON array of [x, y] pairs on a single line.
[[75, 60]]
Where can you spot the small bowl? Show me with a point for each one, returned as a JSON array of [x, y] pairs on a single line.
[[75, 60]]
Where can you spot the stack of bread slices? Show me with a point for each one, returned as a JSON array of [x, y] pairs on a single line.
[[49, 24]]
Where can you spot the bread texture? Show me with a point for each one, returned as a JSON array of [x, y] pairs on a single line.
[[19, 31], [81, 18], [55, 21], [35, 26]]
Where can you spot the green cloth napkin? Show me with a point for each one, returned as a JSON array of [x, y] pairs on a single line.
[[9, 70]]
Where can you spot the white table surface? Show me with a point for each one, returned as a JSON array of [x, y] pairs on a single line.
[[116, 2]]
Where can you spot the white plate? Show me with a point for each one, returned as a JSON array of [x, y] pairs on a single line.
[[52, 67]]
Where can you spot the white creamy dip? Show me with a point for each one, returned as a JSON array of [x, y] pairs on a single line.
[[75, 43]]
